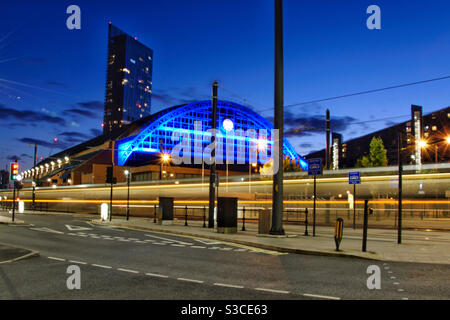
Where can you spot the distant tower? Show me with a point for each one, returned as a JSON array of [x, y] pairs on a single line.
[[128, 80]]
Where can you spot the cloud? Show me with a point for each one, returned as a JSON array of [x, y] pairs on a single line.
[[175, 96], [29, 115], [81, 112], [13, 158], [58, 84], [96, 132], [313, 124], [305, 145], [92, 105], [73, 134], [43, 143]]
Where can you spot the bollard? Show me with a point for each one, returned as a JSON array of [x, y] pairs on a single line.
[[338, 232], [185, 215], [243, 219], [306, 222], [154, 213], [204, 217]]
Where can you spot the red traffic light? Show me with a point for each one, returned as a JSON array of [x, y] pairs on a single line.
[[14, 171]]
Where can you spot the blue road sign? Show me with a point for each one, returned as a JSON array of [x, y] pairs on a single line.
[[314, 167], [354, 178]]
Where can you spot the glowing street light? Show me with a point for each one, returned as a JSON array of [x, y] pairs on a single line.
[[422, 143]]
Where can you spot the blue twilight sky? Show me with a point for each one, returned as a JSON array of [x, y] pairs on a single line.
[[52, 79]]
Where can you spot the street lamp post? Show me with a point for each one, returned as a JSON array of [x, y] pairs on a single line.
[[128, 175]]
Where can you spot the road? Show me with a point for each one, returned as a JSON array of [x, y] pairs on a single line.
[[130, 264]]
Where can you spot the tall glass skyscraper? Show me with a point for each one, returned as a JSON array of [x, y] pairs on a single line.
[[128, 80]]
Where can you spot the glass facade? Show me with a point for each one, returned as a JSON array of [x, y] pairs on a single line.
[[128, 80]]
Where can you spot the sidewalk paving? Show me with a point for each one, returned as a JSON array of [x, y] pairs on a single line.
[[417, 246]]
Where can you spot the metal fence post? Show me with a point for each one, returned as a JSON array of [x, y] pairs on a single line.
[[306, 222], [154, 213], [204, 217], [185, 215], [243, 219]]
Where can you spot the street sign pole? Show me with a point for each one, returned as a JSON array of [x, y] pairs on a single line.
[[354, 178], [314, 208], [314, 168], [354, 206], [14, 200]]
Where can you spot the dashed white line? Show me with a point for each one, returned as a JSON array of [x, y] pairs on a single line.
[[320, 296], [396, 283], [393, 277], [400, 290], [272, 290], [228, 285], [77, 262], [190, 280], [177, 245], [58, 259], [159, 243], [127, 270], [101, 266], [156, 275], [198, 247]]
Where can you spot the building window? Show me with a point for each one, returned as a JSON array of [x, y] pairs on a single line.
[[434, 128]]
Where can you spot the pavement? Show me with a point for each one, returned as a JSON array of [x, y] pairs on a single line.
[[418, 246]]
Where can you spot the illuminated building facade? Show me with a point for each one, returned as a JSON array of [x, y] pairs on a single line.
[[425, 139], [243, 136], [128, 80]]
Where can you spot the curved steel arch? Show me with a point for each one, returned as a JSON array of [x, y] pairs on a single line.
[[181, 117]]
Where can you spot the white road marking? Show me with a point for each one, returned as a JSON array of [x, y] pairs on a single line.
[[320, 296], [177, 245], [190, 280], [58, 259], [198, 247], [161, 238], [396, 283], [72, 234], [77, 262], [76, 228], [159, 243], [240, 250], [207, 241], [400, 290], [134, 239], [213, 248], [404, 298], [272, 290], [393, 278], [127, 270], [228, 285], [47, 230], [139, 241], [156, 275], [101, 266], [226, 249]]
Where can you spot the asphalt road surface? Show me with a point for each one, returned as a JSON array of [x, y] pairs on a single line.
[[118, 263]]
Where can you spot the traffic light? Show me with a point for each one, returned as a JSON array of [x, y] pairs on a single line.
[[14, 171]]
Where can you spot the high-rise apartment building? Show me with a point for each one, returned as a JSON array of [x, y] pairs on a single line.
[[128, 80]]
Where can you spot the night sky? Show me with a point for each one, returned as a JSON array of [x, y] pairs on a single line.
[[52, 80]]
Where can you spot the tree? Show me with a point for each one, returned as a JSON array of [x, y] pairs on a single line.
[[377, 155]]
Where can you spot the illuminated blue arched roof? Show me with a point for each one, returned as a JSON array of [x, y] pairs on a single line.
[[160, 127]]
